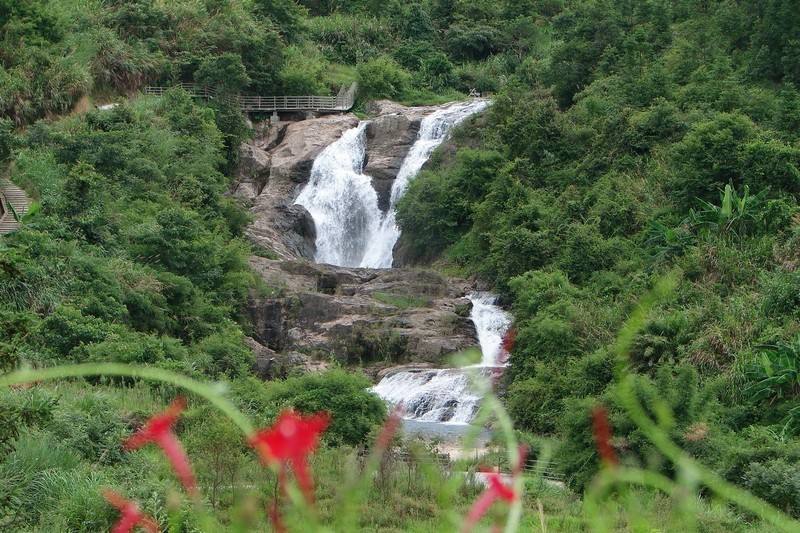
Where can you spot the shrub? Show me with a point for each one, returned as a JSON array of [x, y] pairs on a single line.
[[350, 39], [535, 403], [224, 72], [226, 354], [67, 328], [303, 71], [535, 290], [122, 66], [473, 41], [781, 293], [382, 77], [776, 481], [7, 140], [769, 163], [354, 410], [710, 156], [585, 252]]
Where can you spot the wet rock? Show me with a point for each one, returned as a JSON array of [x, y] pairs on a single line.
[[388, 140], [272, 365], [276, 164], [273, 168], [252, 173]]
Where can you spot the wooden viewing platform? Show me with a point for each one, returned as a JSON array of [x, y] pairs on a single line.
[[13, 204], [270, 104]]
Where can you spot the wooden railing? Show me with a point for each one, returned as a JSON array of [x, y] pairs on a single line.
[[341, 102], [14, 203], [533, 467]]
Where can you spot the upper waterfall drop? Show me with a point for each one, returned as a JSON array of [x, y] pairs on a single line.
[[351, 229], [433, 130], [342, 201]]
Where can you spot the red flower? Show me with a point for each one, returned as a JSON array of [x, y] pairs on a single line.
[[131, 516], [496, 490], [509, 339], [291, 439], [602, 435], [158, 430], [389, 429]]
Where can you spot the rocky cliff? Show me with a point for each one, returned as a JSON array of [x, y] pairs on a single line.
[[320, 313]]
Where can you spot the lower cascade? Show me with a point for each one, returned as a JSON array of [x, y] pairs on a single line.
[[445, 395], [351, 229]]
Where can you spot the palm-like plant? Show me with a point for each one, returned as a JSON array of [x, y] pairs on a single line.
[[775, 376], [736, 215]]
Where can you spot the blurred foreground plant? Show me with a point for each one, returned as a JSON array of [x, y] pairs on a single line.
[[293, 437]]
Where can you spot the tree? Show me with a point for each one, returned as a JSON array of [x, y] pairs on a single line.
[[224, 72], [6, 139]]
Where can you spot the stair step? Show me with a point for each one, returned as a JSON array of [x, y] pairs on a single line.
[[16, 199]]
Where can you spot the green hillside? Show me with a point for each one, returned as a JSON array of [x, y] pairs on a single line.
[[627, 141]]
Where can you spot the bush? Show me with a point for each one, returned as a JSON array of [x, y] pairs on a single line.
[[473, 41], [585, 252], [354, 410], [350, 39], [781, 293], [382, 77], [303, 71], [7, 140], [770, 163], [225, 353], [710, 156], [224, 72], [776, 481], [436, 209], [67, 328]]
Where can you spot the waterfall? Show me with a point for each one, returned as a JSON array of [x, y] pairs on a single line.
[[351, 230], [491, 323], [432, 132], [342, 201], [445, 395]]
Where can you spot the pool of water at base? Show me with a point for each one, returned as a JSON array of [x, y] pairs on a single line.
[[449, 433]]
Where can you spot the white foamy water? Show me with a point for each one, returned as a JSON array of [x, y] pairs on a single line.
[[433, 130], [342, 201], [491, 323], [445, 395], [351, 230]]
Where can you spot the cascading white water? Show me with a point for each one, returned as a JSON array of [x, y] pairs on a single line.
[[342, 201], [433, 130], [351, 230], [491, 323], [445, 395]]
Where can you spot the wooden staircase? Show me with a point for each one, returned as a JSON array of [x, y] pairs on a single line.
[[13, 200]]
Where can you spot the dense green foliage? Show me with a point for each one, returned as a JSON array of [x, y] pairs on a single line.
[[626, 139], [640, 137]]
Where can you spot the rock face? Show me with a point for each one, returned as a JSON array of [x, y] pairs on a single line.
[[273, 169], [360, 316], [389, 138], [277, 163]]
